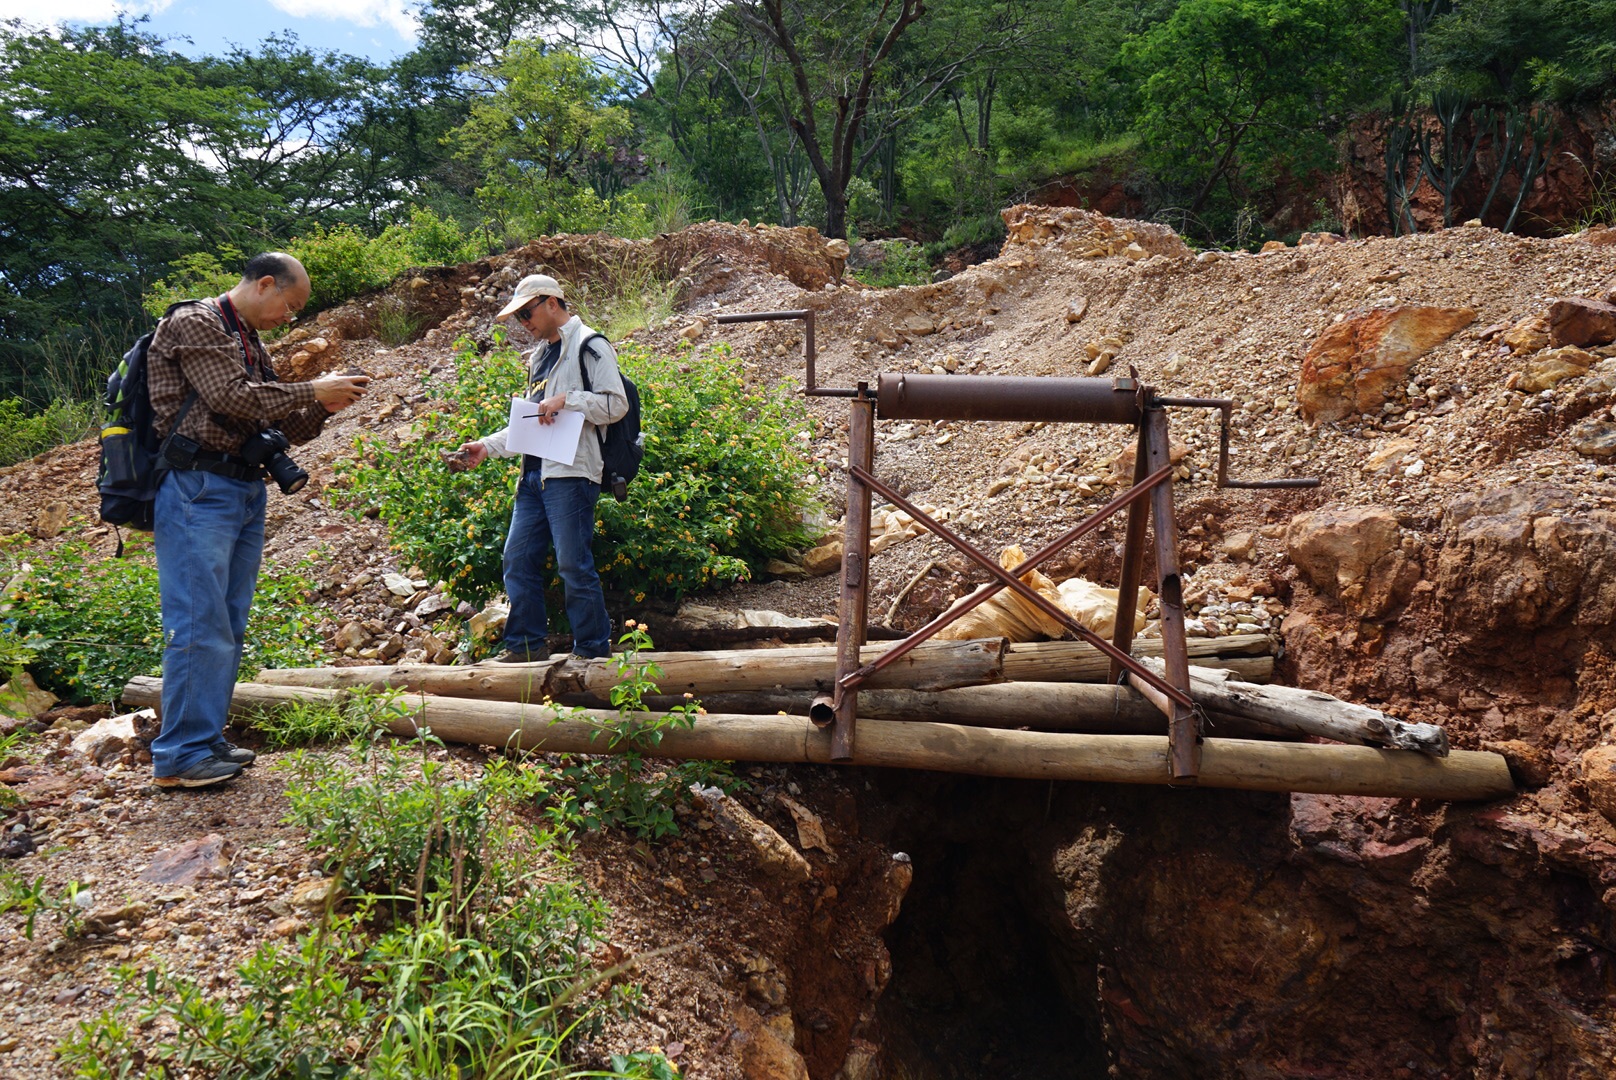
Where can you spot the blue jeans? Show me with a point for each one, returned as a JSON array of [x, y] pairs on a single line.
[[562, 512], [209, 537]]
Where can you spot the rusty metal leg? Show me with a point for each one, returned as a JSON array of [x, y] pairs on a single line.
[[855, 571], [1183, 732], [1133, 555]]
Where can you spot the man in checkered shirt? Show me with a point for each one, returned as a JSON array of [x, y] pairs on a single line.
[[212, 390]]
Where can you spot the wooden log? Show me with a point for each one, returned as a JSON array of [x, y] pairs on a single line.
[[1251, 655], [939, 665], [1309, 712], [1128, 759], [1090, 707]]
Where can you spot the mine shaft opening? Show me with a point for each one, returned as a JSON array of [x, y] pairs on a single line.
[[981, 985]]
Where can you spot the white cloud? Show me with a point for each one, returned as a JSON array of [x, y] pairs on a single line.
[[396, 14], [90, 11]]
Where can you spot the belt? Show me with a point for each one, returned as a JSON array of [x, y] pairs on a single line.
[[222, 464]]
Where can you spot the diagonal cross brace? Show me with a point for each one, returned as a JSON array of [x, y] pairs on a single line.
[[1008, 579]]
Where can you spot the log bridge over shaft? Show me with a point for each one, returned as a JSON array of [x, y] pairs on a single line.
[[1116, 710]]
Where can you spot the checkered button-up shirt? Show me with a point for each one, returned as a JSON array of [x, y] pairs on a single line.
[[194, 350]]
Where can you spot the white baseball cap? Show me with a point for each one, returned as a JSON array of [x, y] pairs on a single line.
[[526, 289]]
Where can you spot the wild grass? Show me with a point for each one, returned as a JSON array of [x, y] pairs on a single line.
[[632, 293]]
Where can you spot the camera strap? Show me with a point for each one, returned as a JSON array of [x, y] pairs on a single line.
[[232, 322]]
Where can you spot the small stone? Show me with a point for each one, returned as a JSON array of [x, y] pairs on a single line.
[[190, 862]]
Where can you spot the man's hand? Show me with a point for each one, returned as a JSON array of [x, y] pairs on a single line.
[[337, 392], [549, 407], [476, 453]]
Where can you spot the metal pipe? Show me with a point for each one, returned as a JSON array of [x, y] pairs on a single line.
[[1007, 397], [809, 353], [1133, 560], [822, 711], [1183, 730], [855, 599], [1226, 407], [1042, 603], [1131, 498]]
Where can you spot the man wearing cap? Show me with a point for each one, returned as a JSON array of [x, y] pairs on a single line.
[[555, 503]]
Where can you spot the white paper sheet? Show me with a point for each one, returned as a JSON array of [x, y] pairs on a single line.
[[557, 441]]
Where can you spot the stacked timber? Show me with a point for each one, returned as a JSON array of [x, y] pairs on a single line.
[[1135, 759], [1044, 710]]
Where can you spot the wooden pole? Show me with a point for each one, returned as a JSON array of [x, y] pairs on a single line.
[[1309, 712], [937, 665], [854, 609], [1184, 729], [1036, 755], [1077, 661], [1087, 707]]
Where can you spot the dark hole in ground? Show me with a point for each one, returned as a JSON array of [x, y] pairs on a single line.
[[977, 986]]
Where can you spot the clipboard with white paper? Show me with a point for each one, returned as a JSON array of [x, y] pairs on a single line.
[[556, 441]]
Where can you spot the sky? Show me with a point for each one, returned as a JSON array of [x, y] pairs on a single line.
[[378, 29]]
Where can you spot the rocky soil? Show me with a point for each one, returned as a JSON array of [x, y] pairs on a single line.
[[1452, 391]]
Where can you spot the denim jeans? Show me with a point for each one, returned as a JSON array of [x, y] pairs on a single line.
[[559, 512], [209, 537]]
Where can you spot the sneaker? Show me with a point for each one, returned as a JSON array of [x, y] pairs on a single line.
[[520, 656], [210, 770], [229, 751]]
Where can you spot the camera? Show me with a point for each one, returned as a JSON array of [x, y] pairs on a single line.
[[267, 449]]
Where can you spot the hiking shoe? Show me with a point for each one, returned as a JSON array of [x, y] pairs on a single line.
[[520, 656], [229, 751], [210, 770]]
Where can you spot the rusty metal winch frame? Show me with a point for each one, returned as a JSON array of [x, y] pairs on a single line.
[[1123, 401]]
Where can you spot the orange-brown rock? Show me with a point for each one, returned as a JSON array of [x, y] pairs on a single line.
[[1527, 336], [1355, 556], [1552, 367], [1525, 558], [1357, 364], [1599, 779], [1575, 320]]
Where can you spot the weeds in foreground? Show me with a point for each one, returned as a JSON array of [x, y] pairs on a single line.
[[463, 949], [620, 790], [358, 714], [32, 899]]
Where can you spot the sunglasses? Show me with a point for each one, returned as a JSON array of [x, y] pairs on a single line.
[[526, 314]]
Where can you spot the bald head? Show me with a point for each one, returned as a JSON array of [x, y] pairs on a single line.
[[273, 289]]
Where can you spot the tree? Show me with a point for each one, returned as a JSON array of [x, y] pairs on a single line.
[[317, 154], [1525, 50], [531, 139], [1227, 87], [101, 183]]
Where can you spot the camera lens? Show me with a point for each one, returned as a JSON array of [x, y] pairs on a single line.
[[268, 450], [286, 473]]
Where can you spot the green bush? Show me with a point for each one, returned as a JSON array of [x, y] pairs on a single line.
[[94, 623], [194, 276], [24, 434], [721, 489], [902, 263], [341, 260]]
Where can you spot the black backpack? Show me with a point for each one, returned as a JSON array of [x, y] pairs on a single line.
[[131, 462], [621, 446]]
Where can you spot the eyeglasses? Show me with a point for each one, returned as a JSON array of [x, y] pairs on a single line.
[[526, 314]]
